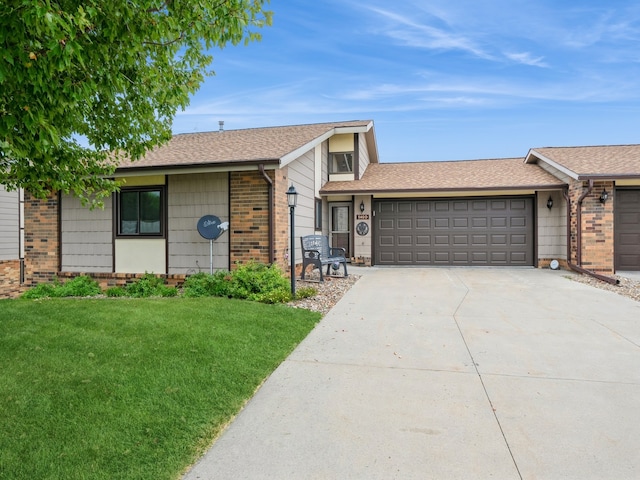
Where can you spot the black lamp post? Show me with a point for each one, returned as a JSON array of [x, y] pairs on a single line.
[[292, 200]]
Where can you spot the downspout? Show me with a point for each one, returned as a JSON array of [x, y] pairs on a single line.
[[272, 256], [578, 268]]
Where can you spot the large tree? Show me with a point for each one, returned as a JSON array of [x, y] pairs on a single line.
[[82, 79]]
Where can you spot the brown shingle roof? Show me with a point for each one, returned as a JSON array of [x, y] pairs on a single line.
[[236, 146], [598, 161], [498, 174]]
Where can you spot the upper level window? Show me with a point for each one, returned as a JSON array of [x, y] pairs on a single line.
[[140, 211], [341, 162]]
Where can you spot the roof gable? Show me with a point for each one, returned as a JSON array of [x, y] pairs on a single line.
[[609, 161]]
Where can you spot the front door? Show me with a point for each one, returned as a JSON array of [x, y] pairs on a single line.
[[341, 227]]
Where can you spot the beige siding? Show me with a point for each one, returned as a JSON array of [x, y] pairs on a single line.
[[86, 237], [190, 198], [302, 176], [363, 153], [362, 243], [140, 255], [552, 226], [9, 226]]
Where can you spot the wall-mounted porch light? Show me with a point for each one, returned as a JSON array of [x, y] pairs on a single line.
[[361, 206], [604, 196], [550, 203]]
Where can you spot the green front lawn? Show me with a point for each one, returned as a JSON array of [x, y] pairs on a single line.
[[130, 389]]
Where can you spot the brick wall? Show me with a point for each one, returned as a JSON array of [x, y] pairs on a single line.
[[282, 236], [597, 227], [10, 278], [107, 280], [249, 217], [41, 240]]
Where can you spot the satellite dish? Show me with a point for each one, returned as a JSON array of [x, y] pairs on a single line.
[[210, 227]]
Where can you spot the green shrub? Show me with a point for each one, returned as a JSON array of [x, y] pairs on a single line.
[[149, 286], [206, 285], [115, 292], [306, 292], [251, 281], [81, 286], [42, 290]]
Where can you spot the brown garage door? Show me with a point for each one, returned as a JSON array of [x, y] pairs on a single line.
[[627, 230], [460, 231]]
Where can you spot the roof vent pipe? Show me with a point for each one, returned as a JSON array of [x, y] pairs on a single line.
[[221, 124]]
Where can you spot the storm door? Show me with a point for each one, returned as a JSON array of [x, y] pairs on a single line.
[[341, 227]]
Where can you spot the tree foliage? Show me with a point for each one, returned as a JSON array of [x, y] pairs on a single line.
[[82, 79]]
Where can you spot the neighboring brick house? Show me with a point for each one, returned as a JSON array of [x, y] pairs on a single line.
[[502, 212], [603, 188]]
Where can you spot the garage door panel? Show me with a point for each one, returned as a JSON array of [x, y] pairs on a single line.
[[460, 258], [441, 223], [441, 240], [518, 222], [461, 240], [479, 205], [460, 223], [481, 231], [423, 257], [499, 258], [627, 229], [518, 204], [499, 222], [441, 258], [387, 224], [386, 207], [479, 258], [423, 240], [405, 207], [387, 241], [404, 240], [498, 240], [518, 239], [479, 240]]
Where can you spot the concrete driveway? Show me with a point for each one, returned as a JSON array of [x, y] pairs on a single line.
[[450, 374]]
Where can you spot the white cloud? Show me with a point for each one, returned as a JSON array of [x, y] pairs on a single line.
[[526, 58], [421, 35]]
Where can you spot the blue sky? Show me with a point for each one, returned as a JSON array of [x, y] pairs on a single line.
[[441, 79]]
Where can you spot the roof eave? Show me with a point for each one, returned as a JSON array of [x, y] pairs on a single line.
[[374, 191], [608, 176], [189, 168]]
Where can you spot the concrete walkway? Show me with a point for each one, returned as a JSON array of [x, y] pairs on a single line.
[[450, 374]]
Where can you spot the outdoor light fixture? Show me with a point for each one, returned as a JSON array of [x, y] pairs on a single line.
[[604, 196], [292, 197], [361, 207], [292, 200], [550, 203]]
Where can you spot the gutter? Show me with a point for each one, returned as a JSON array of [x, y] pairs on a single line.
[[578, 268], [272, 256]]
